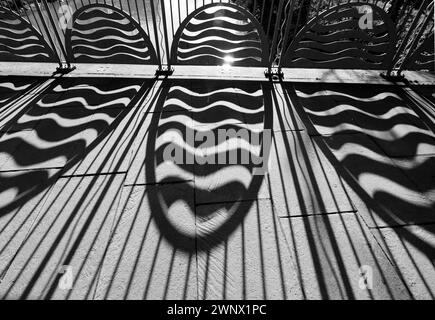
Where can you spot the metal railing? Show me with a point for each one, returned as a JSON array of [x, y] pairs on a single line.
[[281, 20]]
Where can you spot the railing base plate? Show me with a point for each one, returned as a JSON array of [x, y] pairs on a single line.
[[164, 71], [64, 69], [274, 74], [393, 76]]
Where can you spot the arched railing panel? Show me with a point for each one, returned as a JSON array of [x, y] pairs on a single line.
[[104, 34], [424, 57], [335, 39], [218, 34], [20, 42]]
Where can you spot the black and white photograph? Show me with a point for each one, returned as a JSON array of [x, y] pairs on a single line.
[[217, 154]]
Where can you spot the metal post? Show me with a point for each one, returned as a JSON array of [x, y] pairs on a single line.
[[165, 33], [137, 11], [48, 35], [270, 17], [62, 47], [153, 14], [172, 17], [146, 18], [287, 32], [275, 33]]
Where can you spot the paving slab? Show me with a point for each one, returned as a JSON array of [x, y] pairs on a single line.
[[427, 91], [74, 114], [416, 267], [302, 179], [17, 215], [249, 260], [158, 131], [72, 231], [48, 146], [421, 171], [112, 150], [223, 178], [228, 183], [394, 198], [140, 262], [331, 249], [285, 117]]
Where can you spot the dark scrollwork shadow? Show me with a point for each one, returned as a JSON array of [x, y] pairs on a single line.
[[56, 129], [184, 111], [381, 148]]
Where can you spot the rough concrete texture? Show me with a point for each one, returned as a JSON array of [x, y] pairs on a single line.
[[140, 263], [85, 188]]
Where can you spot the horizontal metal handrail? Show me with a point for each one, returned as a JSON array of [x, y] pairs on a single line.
[[280, 20]]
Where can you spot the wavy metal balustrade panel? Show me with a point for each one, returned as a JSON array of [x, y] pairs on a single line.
[[104, 34], [20, 42], [424, 57], [219, 34], [334, 39]]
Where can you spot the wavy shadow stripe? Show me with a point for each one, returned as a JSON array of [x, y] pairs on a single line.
[[207, 182], [372, 106], [380, 165], [108, 37], [11, 87], [365, 121], [207, 108], [89, 97], [176, 133], [368, 163], [21, 42], [383, 116], [333, 95], [220, 35], [61, 130], [181, 98]]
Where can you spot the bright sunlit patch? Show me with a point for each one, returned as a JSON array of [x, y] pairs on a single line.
[[228, 59]]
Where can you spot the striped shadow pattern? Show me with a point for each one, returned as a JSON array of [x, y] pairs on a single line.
[[104, 34], [334, 40], [370, 130], [20, 42], [56, 131], [188, 125], [219, 34], [12, 87]]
